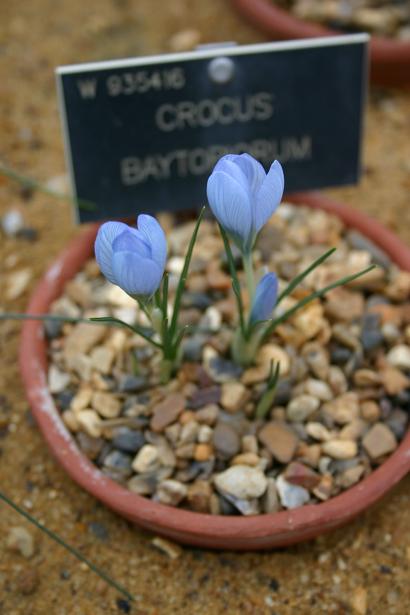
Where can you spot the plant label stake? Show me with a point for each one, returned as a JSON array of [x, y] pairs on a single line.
[[143, 134]]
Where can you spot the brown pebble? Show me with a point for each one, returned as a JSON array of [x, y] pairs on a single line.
[[340, 449], [203, 452], [343, 409], [323, 490], [393, 380], [187, 416], [171, 549], [82, 338], [184, 40], [359, 601], [246, 459], [254, 375], [309, 454], [350, 476], [199, 496], [186, 451], [28, 581], [343, 304], [366, 377], [208, 414], [106, 404], [233, 396], [353, 430], [388, 313], [167, 411], [370, 411], [379, 441], [280, 440], [298, 474], [218, 280], [270, 499]]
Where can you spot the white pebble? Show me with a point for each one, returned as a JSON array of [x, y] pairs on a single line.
[[399, 356], [146, 460], [12, 222], [291, 496], [243, 482]]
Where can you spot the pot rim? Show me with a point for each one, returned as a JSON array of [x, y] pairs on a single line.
[[385, 52], [255, 532]]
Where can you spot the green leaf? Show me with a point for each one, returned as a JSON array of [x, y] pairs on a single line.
[[165, 285], [299, 278], [181, 334], [107, 320], [235, 281], [66, 546], [143, 308], [183, 277], [120, 323], [52, 317], [157, 299], [315, 295], [267, 399], [33, 184]]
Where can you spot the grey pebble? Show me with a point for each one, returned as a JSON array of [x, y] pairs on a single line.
[[226, 441], [53, 328], [119, 463], [192, 347], [133, 384], [222, 370], [196, 300], [359, 242], [99, 530], [128, 440]]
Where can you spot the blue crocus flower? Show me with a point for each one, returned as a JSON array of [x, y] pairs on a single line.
[[265, 298], [133, 259], [243, 196]]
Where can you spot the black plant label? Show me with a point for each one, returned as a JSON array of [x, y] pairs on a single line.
[[142, 135]]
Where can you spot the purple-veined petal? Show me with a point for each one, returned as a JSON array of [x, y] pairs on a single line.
[[155, 236], [265, 298], [107, 233], [130, 241], [136, 275], [230, 205], [268, 196]]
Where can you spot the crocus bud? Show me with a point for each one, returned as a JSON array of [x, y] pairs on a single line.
[[243, 196], [133, 259], [265, 298]]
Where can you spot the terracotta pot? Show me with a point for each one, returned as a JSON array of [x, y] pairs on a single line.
[[389, 59], [241, 533]]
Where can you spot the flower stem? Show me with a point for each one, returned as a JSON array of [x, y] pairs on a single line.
[[69, 548], [249, 275], [244, 349], [166, 369]]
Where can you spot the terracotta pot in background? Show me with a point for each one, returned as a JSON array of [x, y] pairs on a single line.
[[389, 58], [222, 532]]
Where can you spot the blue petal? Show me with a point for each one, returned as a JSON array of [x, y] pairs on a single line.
[[227, 164], [253, 170], [269, 196], [131, 241], [265, 298], [151, 229], [136, 275], [230, 204], [103, 246]]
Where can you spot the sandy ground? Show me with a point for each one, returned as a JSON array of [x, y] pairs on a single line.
[[370, 557]]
